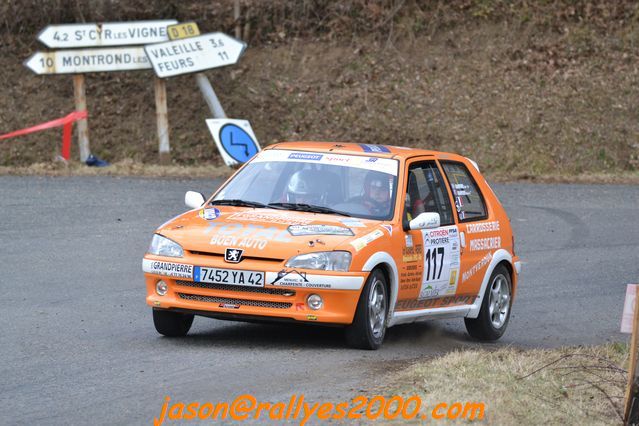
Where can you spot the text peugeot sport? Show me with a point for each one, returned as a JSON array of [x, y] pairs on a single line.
[[364, 236]]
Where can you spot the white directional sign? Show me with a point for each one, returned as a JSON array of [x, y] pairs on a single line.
[[194, 54], [79, 61], [105, 34]]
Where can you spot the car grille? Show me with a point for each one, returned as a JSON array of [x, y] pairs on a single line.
[[233, 301], [221, 256], [229, 287]]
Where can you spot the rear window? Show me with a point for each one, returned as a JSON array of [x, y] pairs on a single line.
[[469, 201]]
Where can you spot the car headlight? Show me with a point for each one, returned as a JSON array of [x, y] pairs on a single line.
[[162, 246], [324, 260]]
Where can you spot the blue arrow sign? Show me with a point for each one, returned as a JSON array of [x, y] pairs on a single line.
[[237, 143]]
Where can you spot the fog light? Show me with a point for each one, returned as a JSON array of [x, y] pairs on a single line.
[[314, 301], [161, 288]]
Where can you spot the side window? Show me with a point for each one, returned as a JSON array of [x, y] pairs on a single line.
[[426, 192], [468, 200]]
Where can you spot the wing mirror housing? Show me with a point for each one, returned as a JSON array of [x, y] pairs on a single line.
[[193, 200], [428, 220]]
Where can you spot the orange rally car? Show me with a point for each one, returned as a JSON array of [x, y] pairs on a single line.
[[358, 235]]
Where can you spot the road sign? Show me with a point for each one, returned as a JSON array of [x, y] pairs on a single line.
[[628, 319], [234, 138], [184, 30], [194, 54], [88, 60], [105, 34]]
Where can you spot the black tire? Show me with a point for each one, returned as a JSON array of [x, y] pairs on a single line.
[[362, 333], [172, 324], [491, 325]]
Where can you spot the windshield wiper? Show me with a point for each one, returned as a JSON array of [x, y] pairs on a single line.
[[239, 203], [302, 207]]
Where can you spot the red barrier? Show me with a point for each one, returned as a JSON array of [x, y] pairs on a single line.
[[65, 122]]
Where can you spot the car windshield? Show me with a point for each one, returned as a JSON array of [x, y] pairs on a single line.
[[348, 185]]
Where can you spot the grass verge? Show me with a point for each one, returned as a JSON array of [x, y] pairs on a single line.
[[138, 169], [575, 385], [120, 168]]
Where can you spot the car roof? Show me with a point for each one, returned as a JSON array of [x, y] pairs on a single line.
[[374, 150]]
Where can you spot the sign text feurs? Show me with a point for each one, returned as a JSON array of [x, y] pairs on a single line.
[[194, 54]]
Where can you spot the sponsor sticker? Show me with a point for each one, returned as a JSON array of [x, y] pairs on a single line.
[[295, 278], [352, 223], [411, 304], [229, 306], [362, 242], [475, 228], [409, 240], [389, 228], [412, 253], [245, 236], [209, 214], [384, 165], [281, 218], [441, 262], [305, 156], [485, 244], [297, 230], [170, 269], [461, 189], [477, 267], [373, 148]]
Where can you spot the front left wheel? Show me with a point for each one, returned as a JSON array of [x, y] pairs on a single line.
[[172, 324], [369, 326]]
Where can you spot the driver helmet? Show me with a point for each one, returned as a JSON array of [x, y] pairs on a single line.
[[377, 187], [306, 187]]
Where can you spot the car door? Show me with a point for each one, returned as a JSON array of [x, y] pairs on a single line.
[[430, 257], [479, 235]]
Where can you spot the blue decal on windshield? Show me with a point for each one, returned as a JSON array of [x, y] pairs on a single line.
[[373, 148], [237, 143], [304, 156]]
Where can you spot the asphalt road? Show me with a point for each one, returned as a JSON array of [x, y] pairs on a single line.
[[77, 343]]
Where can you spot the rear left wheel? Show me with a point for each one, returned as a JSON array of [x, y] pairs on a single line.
[[369, 326], [172, 324]]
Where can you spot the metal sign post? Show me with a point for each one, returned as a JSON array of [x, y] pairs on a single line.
[[189, 53], [97, 56], [187, 30]]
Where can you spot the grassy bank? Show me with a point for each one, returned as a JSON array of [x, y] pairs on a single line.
[[527, 89], [578, 385]]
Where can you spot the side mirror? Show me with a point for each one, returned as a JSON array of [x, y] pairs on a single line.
[[427, 220], [193, 200]]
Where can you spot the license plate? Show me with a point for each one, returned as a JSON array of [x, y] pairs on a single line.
[[228, 276]]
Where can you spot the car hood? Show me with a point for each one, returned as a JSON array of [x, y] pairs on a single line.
[[264, 233]]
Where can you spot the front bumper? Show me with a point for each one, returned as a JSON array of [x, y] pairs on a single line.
[[339, 291]]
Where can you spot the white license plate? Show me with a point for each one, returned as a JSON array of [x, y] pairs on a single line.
[[228, 276]]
